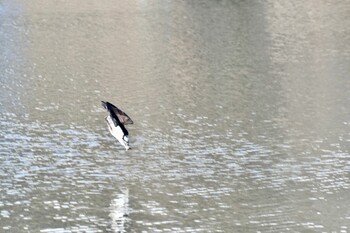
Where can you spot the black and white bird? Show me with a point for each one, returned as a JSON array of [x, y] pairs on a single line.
[[116, 121]]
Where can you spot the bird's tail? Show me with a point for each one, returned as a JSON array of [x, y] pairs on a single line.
[[104, 104], [108, 107]]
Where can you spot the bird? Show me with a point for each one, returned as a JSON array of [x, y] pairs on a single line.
[[116, 120]]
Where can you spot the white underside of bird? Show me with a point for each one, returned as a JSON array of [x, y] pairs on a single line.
[[117, 132]]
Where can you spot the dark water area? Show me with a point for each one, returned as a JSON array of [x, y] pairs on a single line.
[[240, 108]]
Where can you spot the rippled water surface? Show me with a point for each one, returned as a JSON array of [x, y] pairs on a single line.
[[241, 111]]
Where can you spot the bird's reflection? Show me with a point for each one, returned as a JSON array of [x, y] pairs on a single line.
[[119, 211]]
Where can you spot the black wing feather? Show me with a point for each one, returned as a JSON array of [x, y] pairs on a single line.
[[122, 116]]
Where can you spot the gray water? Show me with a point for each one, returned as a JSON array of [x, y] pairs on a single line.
[[241, 112]]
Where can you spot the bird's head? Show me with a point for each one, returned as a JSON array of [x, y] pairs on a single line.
[[126, 142]]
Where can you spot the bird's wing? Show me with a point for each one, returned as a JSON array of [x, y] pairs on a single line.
[[122, 116]]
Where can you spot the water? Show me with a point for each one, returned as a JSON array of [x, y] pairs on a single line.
[[241, 112]]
